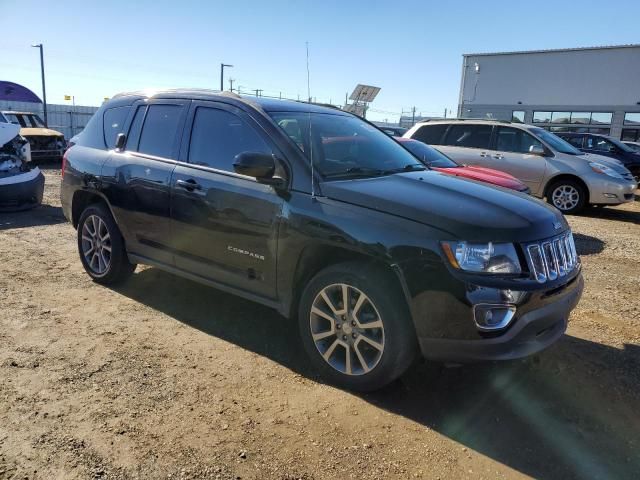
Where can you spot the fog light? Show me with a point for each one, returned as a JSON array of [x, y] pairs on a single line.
[[611, 195], [493, 317]]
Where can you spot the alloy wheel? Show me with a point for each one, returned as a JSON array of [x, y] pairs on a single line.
[[565, 197], [96, 244], [347, 329]]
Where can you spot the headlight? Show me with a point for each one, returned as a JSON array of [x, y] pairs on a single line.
[[600, 168], [489, 257]]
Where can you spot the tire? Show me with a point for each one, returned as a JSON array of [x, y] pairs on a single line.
[[381, 345], [103, 266], [568, 196]]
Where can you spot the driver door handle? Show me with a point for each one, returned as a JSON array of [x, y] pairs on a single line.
[[189, 185], [483, 154], [498, 156]]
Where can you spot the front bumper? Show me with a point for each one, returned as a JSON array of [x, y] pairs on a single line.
[[540, 320], [612, 192], [21, 192]]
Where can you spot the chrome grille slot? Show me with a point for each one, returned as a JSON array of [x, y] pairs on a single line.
[[553, 258]]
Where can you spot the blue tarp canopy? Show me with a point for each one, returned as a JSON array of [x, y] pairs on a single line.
[[17, 93]]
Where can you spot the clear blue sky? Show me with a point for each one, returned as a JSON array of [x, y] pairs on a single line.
[[411, 49]]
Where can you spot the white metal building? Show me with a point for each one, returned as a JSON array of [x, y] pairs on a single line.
[[594, 89]]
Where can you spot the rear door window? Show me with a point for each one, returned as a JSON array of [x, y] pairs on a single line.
[[515, 140], [431, 134], [470, 136], [113, 121], [158, 136]]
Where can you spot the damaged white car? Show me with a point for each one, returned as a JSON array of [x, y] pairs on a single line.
[[21, 186]]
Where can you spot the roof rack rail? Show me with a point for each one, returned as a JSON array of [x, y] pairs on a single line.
[[464, 120]]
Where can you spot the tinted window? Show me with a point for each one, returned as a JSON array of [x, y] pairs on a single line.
[[218, 136], [517, 116], [430, 134], [631, 134], [575, 141], [515, 140], [113, 121], [159, 130], [134, 131], [471, 136], [599, 143], [344, 146]]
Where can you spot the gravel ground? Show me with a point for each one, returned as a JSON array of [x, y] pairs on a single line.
[[165, 378]]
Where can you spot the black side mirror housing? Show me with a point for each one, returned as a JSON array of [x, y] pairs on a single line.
[[261, 166], [121, 141]]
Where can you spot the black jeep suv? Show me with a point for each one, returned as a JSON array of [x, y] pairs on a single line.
[[322, 216]]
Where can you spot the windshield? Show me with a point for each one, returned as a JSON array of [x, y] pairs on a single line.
[[620, 145], [555, 142], [429, 155], [344, 146]]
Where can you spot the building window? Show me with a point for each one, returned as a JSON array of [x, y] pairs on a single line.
[[581, 117], [601, 117], [541, 117], [517, 116], [561, 117], [632, 118]]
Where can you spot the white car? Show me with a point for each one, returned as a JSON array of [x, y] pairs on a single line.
[[21, 187]]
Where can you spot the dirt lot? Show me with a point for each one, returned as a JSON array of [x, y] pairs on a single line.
[[165, 378]]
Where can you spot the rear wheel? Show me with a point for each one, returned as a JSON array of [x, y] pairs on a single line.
[[568, 196], [101, 246], [355, 327]]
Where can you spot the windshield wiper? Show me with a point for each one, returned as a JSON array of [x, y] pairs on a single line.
[[412, 167], [356, 172]]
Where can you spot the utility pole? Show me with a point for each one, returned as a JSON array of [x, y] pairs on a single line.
[[231, 80], [413, 116], [44, 88], [222, 65], [258, 92], [445, 113]]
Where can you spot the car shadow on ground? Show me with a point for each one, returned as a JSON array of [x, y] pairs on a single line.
[[41, 215], [588, 245], [570, 412], [616, 214]]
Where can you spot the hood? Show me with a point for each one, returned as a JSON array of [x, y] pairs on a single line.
[[39, 131], [467, 210], [487, 175]]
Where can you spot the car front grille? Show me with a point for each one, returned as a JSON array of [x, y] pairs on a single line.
[[553, 258]]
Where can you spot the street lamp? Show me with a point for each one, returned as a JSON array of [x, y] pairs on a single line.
[[44, 88], [222, 65]]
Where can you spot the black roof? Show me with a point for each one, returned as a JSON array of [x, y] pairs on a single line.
[[264, 103]]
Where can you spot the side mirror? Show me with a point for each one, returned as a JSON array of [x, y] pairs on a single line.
[[537, 150], [121, 141], [262, 166]]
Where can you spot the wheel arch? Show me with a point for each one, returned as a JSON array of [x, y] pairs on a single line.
[[566, 176], [315, 258], [82, 199]]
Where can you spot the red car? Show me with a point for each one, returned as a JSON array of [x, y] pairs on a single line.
[[437, 160]]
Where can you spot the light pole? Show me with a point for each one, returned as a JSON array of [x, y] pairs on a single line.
[[44, 88], [73, 112], [222, 65]]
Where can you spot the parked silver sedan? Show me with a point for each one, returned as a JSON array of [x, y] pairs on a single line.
[[551, 167]]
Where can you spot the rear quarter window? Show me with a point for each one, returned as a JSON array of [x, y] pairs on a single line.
[[113, 121], [430, 134]]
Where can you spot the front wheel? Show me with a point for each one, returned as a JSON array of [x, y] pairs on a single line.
[[568, 196], [101, 246], [355, 327]]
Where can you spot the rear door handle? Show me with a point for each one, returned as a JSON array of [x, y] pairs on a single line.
[[190, 184]]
